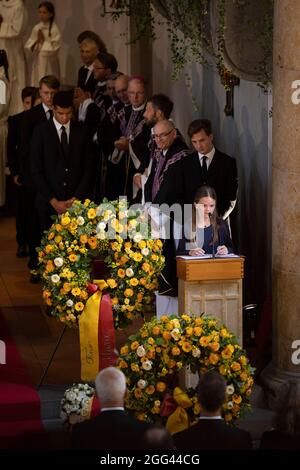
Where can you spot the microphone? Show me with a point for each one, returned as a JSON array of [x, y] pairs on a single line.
[[213, 243]]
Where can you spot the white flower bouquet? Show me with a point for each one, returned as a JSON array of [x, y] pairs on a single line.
[[76, 404]]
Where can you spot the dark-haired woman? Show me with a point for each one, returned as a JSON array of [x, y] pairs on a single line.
[[44, 43], [207, 233]]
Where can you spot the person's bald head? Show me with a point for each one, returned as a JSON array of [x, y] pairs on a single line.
[[121, 85], [164, 134], [136, 91]]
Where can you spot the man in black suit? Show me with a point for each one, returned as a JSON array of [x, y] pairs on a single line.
[[49, 85], [13, 147], [113, 428], [61, 158], [211, 432], [88, 52], [210, 166]]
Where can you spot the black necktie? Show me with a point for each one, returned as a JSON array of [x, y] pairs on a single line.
[[204, 168], [64, 141], [49, 114]]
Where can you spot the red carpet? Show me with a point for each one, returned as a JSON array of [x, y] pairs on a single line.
[[20, 423]]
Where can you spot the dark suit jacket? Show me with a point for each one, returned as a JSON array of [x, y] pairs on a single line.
[[14, 142], [111, 430], [277, 440], [212, 434], [82, 74], [222, 176], [32, 118], [53, 174]]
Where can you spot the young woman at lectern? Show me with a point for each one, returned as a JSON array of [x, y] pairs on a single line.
[[209, 233]]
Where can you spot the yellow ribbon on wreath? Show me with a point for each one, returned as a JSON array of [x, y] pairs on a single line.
[[178, 420], [88, 334]]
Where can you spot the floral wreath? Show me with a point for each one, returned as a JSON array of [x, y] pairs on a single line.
[[77, 237], [152, 358]]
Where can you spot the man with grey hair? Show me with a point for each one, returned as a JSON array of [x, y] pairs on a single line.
[[88, 52], [113, 428]]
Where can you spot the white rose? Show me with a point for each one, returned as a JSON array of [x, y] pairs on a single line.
[[70, 396], [230, 389], [129, 272], [55, 278], [229, 405], [142, 383], [141, 351], [196, 352], [145, 251], [70, 303], [147, 365], [80, 220], [84, 413], [137, 237], [101, 227], [59, 262], [175, 334], [101, 235], [81, 395]]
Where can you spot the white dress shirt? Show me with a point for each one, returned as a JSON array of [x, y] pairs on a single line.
[[209, 155]]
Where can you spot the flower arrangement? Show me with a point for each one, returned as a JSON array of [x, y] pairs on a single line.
[[76, 404], [78, 236], [152, 358]]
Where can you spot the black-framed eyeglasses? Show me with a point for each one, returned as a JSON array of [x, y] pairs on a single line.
[[162, 136]]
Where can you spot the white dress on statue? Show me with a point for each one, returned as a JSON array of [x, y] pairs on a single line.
[[4, 107], [12, 28], [45, 56]]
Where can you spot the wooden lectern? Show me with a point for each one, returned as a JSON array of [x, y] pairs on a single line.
[[213, 286]]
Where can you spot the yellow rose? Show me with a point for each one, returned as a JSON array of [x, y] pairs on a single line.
[[237, 399], [128, 292], [111, 283], [214, 358], [73, 257], [76, 291], [122, 364], [67, 287], [51, 236], [134, 345], [49, 248], [79, 306], [124, 350], [235, 366], [204, 341], [134, 367], [134, 282], [138, 393], [198, 331], [83, 238], [121, 273], [58, 227], [46, 294], [161, 387], [150, 390], [65, 221], [156, 330], [186, 347], [114, 300], [91, 213], [175, 351]]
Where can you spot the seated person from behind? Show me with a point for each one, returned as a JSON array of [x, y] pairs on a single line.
[[209, 233]]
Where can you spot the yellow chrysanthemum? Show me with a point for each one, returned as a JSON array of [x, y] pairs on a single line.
[[79, 306]]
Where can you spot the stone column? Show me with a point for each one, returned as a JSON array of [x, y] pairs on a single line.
[[286, 198]]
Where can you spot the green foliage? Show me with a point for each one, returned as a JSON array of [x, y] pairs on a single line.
[[187, 23]]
